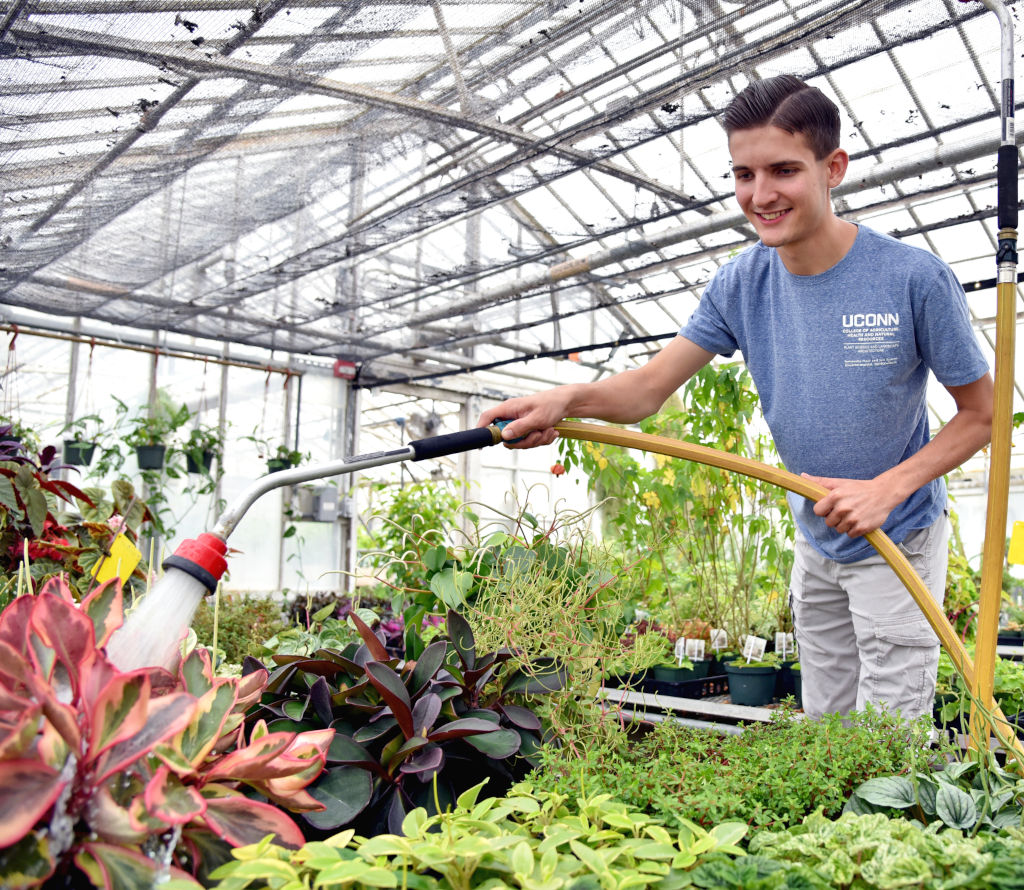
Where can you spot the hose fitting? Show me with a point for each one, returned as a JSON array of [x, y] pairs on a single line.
[[202, 558]]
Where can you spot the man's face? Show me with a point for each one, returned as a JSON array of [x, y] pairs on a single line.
[[782, 188]]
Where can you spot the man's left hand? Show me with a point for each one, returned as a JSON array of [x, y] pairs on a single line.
[[853, 507]]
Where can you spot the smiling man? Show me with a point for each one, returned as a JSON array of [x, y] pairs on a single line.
[[840, 327]]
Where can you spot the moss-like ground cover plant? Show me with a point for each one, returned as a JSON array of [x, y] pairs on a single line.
[[773, 774]]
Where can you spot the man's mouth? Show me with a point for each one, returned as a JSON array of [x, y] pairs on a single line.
[[773, 216]]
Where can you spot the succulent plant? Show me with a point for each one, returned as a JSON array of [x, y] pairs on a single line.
[[409, 733], [130, 775]]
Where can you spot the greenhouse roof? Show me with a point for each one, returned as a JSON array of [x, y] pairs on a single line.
[[437, 187]]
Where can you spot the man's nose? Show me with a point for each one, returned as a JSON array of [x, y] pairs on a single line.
[[764, 192]]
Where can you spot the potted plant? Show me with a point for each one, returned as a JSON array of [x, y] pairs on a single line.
[[283, 458], [80, 439], [204, 444], [752, 682], [794, 670], [152, 429]]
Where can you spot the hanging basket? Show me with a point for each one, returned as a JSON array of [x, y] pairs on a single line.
[[78, 453], [751, 685], [276, 464], [150, 457], [202, 466]]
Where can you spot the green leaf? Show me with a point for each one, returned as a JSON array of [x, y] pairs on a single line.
[[345, 791], [356, 872], [888, 791], [522, 859], [451, 586], [461, 635], [498, 744], [435, 558], [541, 676], [25, 863], [955, 807], [393, 691]]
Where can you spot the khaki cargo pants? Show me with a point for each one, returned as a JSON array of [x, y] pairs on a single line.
[[862, 637]]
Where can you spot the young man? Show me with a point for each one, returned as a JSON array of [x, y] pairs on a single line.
[[839, 326]]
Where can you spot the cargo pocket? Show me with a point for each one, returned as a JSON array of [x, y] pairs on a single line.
[[903, 664]]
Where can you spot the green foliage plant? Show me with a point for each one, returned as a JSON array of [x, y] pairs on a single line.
[[412, 520], [50, 527], [972, 794], [239, 622], [772, 774], [127, 775], [548, 591], [869, 852], [1007, 687], [528, 840], [409, 732], [715, 545]]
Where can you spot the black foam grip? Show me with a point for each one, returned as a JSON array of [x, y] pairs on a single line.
[[1007, 187], [454, 443]]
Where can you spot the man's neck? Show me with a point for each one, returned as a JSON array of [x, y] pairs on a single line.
[[828, 248]]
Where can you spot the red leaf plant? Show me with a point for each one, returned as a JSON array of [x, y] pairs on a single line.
[[131, 776]]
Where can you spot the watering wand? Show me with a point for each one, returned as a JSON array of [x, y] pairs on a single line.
[[152, 632]]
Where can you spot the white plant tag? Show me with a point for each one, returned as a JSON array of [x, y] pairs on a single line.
[[753, 648], [719, 638], [784, 644], [680, 651], [695, 650]]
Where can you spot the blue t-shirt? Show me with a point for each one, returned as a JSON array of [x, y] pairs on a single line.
[[840, 361]]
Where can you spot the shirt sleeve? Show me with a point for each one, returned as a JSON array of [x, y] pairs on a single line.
[[946, 338], [707, 326]]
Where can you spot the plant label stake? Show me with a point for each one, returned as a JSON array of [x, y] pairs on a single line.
[[753, 648], [719, 638], [784, 643], [694, 650]]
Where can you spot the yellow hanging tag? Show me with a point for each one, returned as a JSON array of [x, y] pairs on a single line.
[[1016, 554], [124, 557]]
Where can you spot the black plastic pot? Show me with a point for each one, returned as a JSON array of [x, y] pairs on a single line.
[[668, 673], [204, 467], [78, 453], [751, 685], [150, 457], [784, 681]]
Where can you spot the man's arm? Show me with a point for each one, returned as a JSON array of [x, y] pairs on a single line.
[[627, 397], [855, 507]]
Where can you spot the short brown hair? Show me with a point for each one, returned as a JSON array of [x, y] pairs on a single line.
[[790, 104]]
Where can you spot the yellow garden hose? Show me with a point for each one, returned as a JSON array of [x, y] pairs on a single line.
[[609, 435], [994, 548]]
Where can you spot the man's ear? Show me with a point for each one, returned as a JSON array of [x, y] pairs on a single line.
[[837, 163]]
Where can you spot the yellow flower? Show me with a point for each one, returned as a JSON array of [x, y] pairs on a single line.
[[651, 499], [602, 462], [669, 476]]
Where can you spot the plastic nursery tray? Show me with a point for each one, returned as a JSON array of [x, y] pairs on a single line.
[[701, 687]]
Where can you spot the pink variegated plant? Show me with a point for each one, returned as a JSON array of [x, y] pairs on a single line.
[[102, 770]]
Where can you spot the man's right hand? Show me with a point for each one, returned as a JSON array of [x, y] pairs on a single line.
[[532, 417]]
